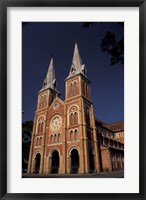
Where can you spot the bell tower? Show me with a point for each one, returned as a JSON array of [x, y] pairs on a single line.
[[80, 126], [38, 143], [49, 90]]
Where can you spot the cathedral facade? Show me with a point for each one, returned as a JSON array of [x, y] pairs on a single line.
[[66, 136]]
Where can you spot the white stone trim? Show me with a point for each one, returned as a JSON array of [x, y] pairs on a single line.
[[54, 149], [73, 147]]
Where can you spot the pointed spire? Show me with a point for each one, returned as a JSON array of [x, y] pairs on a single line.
[[76, 61], [50, 80], [77, 67]]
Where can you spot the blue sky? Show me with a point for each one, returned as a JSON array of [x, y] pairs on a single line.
[[41, 40]]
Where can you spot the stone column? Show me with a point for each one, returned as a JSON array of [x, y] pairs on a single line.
[[96, 154], [32, 166], [116, 162], [49, 163], [60, 170], [121, 161], [84, 157], [82, 161], [41, 164], [68, 164], [95, 143], [110, 164]]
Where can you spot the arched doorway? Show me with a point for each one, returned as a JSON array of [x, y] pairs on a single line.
[[55, 162], [91, 161], [37, 163], [74, 161]]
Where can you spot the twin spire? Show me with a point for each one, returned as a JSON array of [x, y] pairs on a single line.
[[50, 80], [76, 68]]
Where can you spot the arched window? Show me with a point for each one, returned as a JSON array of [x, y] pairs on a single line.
[[41, 141], [76, 135], [51, 139], [75, 118], [55, 138], [83, 88], [41, 101], [89, 136], [37, 141], [75, 88], [71, 135], [39, 128], [87, 115], [71, 90], [42, 125], [71, 119], [59, 138], [44, 101], [105, 141]]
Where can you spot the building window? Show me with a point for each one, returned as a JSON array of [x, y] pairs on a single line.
[[87, 115], [37, 141], [41, 102], [75, 88], [39, 128], [89, 134], [41, 141], [75, 118], [42, 125], [51, 139], [71, 119], [83, 88], [88, 91], [71, 135], [44, 101], [58, 137], [55, 138], [71, 90], [76, 135]]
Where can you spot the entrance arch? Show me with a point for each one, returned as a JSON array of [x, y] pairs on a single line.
[[55, 162], [37, 163], [91, 160], [74, 161]]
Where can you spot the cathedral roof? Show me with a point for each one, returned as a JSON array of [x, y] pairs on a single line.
[[77, 67], [117, 126]]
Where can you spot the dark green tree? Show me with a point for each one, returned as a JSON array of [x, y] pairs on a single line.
[[26, 141]]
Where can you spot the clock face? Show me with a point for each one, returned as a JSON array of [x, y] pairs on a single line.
[[56, 123]]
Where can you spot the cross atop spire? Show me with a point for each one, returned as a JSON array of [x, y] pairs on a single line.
[[50, 80], [77, 66]]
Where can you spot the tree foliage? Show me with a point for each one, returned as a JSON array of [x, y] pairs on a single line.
[[113, 47], [26, 141], [109, 44]]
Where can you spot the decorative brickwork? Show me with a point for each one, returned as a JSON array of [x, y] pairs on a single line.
[[66, 136]]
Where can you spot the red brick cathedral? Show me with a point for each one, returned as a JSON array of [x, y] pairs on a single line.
[[66, 137]]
